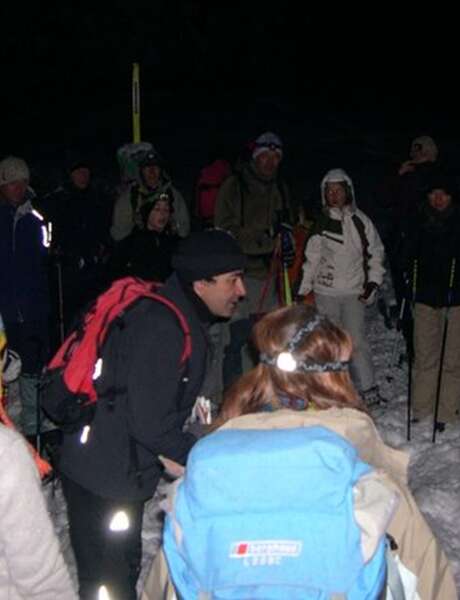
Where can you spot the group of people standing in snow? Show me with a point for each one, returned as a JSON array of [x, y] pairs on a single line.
[[60, 251]]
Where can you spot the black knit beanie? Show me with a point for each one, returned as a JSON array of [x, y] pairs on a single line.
[[204, 254]]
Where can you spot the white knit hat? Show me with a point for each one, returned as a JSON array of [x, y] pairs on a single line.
[[13, 169], [428, 146]]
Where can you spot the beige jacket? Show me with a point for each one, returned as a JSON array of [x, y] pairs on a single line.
[[418, 549]]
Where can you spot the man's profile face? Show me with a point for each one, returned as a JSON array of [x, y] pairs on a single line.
[[223, 293], [267, 163], [14, 192]]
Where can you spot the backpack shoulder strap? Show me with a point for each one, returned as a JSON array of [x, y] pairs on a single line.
[[187, 350], [133, 290]]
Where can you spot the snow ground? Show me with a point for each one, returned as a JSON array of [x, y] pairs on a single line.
[[434, 473]]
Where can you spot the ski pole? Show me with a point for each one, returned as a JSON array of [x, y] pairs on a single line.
[[136, 104], [396, 343], [60, 301], [285, 282], [409, 351], [287, 287], [443, 348]]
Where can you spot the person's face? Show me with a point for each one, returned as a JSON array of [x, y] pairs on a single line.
[[336, 195], [151, 175], [159, 216], [439, 199], [222, 294], [81, 177], [267, 163], [14, 192], [417, 154]]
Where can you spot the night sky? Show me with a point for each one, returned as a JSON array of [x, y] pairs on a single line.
[[66, 68]]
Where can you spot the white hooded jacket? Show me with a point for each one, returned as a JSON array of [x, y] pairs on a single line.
[[345, 250]]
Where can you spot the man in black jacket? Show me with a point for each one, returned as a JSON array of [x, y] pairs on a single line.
[[144, 399]]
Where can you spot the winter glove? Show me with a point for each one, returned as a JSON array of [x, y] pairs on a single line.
[[287, 244], [369, 293], [308, 298]]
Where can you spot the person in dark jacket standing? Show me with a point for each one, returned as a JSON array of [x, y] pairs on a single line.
[[432, 265], [24, 294], [144, 399], [147, 252], [255, 205], [80, 211], [399, 198]]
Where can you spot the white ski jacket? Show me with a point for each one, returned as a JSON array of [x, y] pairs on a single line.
[[344, 251], [31, 564]]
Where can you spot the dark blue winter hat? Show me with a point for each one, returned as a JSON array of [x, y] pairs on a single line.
[[267, 141], [151, 158], [204, 254]]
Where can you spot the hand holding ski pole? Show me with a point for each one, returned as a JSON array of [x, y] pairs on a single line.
[[443, 347], [287, 244], [369, 293]]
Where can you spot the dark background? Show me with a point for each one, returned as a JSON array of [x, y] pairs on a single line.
[[342, 86]]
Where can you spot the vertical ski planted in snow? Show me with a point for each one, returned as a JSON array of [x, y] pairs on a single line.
[[136, 104]]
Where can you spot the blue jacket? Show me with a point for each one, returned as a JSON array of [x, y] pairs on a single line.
[[24, 292]]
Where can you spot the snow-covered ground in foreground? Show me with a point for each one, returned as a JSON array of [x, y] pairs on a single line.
[[434, 474]]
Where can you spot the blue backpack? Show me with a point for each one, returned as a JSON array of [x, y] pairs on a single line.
[[269, 514]]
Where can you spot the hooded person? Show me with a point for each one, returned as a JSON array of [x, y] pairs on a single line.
[[147, 251], [423, 150], [151, 181], [145, 396], [344, 268], [431, 262]]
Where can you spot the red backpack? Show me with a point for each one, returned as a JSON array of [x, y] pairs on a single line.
[[209, 181], [67, 392]]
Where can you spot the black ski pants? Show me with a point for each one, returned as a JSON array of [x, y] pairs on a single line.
[[104, 557]]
